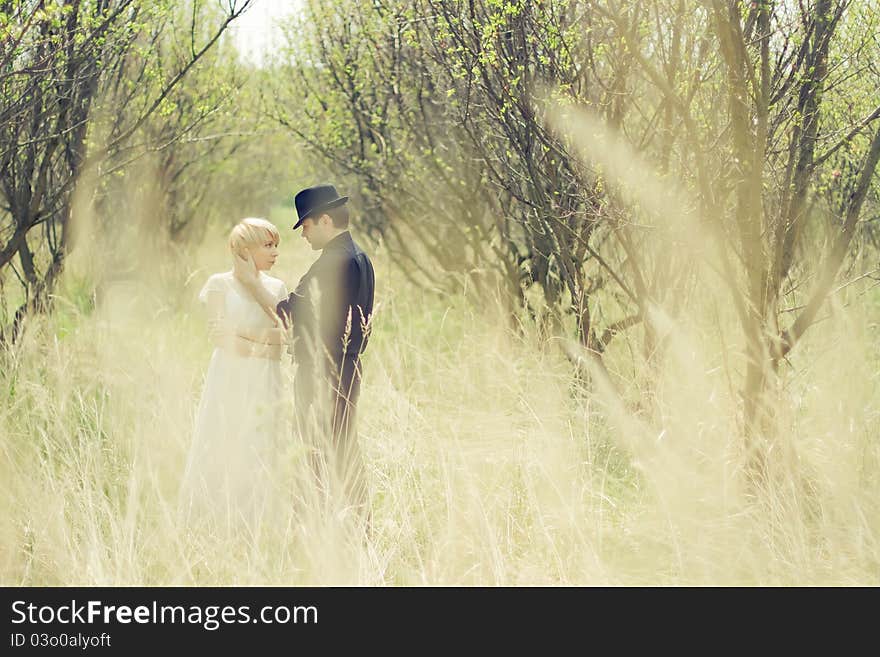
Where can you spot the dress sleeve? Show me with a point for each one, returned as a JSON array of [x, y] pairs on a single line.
[[213, 297], [212, 285]]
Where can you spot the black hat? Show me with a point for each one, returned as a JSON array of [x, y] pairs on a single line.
[[312, 200]]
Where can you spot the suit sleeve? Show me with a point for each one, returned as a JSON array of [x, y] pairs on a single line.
[[352, 282], [339, 283], [291, 305]]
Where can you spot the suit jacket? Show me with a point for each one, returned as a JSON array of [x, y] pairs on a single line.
[[332, 306]]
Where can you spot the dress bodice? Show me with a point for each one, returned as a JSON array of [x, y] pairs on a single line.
[[240, 308]]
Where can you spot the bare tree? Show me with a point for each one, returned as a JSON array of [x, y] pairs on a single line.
[[764, 113], [60, 61]]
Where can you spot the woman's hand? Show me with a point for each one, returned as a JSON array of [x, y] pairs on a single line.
[[245, 269], [276, 336], [251, 349]]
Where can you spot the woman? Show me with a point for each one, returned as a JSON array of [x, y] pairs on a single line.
[[239, 409]]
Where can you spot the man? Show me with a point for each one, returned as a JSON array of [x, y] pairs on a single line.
[[330, 313]]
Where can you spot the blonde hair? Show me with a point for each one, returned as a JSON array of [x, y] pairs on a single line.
[[251, 232]]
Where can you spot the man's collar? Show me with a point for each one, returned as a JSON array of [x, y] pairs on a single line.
[[341, 241]]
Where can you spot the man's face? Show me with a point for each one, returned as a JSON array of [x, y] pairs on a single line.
[[317, 231]]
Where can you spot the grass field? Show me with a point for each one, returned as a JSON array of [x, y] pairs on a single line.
[[490, 462]]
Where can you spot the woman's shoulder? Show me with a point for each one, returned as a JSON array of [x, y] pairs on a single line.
[[220, 277], [216, 283]]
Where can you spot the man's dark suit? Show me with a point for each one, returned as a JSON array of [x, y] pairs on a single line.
[[330, 310]]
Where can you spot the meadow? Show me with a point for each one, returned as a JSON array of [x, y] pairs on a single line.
[[492, 459]]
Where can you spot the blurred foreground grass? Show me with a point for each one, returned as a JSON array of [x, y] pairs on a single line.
[[490, 462]]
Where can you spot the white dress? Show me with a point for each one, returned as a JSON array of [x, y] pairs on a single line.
[[239, 411]]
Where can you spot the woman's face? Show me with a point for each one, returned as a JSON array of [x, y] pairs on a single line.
[[264, 253]]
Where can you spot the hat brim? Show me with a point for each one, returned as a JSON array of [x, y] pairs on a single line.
[[342, 200]]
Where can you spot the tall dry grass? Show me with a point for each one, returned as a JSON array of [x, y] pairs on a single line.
[[491, 460]]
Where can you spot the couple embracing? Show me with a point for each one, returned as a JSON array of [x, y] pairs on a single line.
[[324, 323]]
